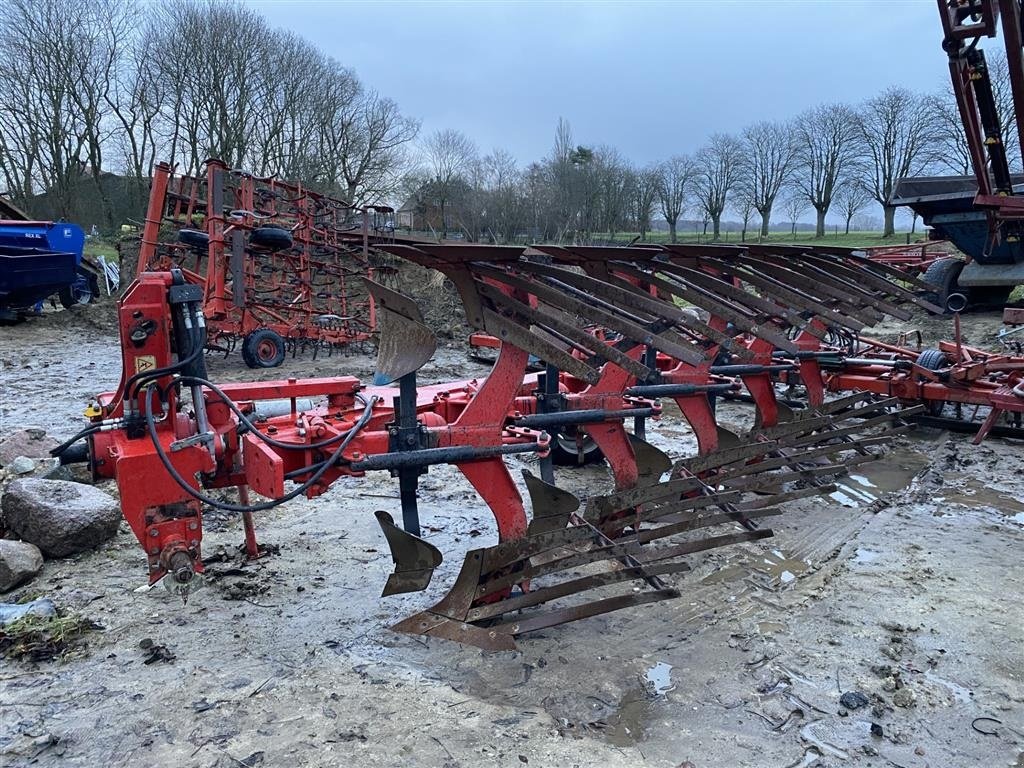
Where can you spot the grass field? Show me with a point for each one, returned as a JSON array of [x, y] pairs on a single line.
[[864, 239], [852, 240], [95, 247]]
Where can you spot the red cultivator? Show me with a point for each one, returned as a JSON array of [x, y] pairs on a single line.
[[982, 389], [608, 326], [279, 265]]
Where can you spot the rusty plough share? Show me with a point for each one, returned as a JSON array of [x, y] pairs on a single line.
[[272, 257], [613, 330]]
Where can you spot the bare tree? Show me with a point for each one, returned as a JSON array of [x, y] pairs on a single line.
[[898, 133], [828, 150], [744, 206], [612, 179], [373, 150], [793, 206], [717, 167], [767, 162], [506, 212], [851, 199], [643, 190], [135, 102], [675, 176], [449, 155], [54, 101]]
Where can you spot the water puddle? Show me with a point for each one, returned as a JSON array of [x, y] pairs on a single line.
[[771, 627], [773, 569], [658, 679], [976, 494], [960, 694], [727, 574], [870, 481], [628, 725], [863, 556], [781, 568]]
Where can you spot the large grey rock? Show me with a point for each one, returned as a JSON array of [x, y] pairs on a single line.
[[19, 562], [30, 441], [59, 517]]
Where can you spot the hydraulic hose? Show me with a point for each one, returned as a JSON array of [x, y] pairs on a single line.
[[142, 378], [217, 503], [252, 427]]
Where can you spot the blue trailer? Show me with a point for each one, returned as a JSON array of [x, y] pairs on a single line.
[[39, 259], [946, 205]]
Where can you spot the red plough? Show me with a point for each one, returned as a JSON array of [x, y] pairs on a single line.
[[614, 340]]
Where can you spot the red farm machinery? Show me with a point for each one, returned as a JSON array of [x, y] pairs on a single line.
[[614, 343], [280, 266]]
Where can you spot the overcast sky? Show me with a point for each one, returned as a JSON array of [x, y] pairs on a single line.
[[650, 78]]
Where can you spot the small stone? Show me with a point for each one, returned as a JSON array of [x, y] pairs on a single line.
[[876, 730], [853, 700], [919, 751], [904, 697], [19, 562], [21, 465], [59, 517]]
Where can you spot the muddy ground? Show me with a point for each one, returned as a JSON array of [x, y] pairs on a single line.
[[908, 593]]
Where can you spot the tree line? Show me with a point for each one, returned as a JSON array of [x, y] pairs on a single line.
[[114, 86], [833, 158], [94, 86]]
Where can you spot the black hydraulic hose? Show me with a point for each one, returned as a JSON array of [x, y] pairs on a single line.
[[217, 503], [72, 440], [252, 427], [146, 376]]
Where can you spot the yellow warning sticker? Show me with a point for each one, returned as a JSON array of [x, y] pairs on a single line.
[[145, 363]]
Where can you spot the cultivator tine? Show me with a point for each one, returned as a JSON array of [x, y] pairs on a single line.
[[406, 344], [414, 558]]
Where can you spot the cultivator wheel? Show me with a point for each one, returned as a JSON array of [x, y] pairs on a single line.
[[263, 348]]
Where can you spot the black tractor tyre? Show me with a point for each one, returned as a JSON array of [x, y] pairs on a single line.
[[933, 360], [246, 357], [566, 453], [944, 274], [263, 349], [270, 238], [194, 239]]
